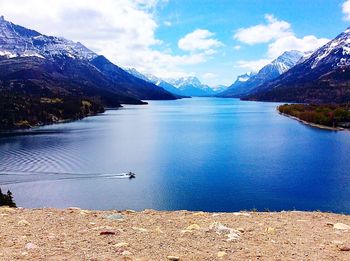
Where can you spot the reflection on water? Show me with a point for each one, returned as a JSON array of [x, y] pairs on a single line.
[[197, 154]]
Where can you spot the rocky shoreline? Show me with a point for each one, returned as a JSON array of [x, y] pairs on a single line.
[[75, 234], [318, 126]]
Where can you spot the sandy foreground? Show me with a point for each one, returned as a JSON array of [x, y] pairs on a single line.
[[75, 234]]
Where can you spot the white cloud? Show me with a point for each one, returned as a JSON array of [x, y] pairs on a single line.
[[122, 30], [263, 33], [346, 10], [237, 47], [209, 76], [199, 40], [291, 42], [279, 37]]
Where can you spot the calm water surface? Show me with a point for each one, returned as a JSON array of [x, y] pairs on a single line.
[[197, 154]]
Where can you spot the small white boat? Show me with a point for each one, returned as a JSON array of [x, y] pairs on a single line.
[[131, 175]]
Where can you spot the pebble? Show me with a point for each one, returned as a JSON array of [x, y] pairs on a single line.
[[222, 253], [84, 212], [219, 228], [31, 246], [73, 208], [107, 233], [270, 230], [122, 244], [240, 229], [126, 253], [23, 223], [344, 248], [341, 226], [118, 217], [173, 258], [337, 242], [241, 214], [140, 229], [193, 227], [200, 213], [158, 230]]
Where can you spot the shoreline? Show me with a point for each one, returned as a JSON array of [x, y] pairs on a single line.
[[76, 234], [314, 125]]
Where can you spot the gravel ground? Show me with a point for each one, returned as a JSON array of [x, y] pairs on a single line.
[[75, 234]]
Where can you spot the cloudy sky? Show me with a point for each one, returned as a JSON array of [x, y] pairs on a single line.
[[215, 40]]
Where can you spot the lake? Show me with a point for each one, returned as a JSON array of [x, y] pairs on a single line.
[[205, 154]]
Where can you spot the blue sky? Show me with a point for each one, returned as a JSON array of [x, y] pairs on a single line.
[[321, 18], [214, 40]]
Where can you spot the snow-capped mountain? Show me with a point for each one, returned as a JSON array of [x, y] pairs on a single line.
[[219, 88], [323, 77], [248, 82], [245, 77], [191, 86], [184, 86], [17, 41], [157, 81], [59, 64]]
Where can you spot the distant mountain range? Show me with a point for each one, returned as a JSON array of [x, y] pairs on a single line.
[[184, 86], [322, 76], [248, 82]]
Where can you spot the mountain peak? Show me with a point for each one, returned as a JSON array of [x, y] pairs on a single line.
[[18, 41]]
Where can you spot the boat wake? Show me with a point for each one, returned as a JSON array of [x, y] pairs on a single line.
[[8, 177]]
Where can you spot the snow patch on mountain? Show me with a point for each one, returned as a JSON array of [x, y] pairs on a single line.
[[17, 41]]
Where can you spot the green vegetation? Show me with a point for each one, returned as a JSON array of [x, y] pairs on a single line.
[[7, 199], [327, 115], [20, 111]]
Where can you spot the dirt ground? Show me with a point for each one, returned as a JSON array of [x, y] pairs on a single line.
[[75, 234]]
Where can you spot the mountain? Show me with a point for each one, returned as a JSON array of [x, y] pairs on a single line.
[[191, 86], [19, 42], [248, 82], [324, 77], [157, 81], [46, 79], [219, 88]]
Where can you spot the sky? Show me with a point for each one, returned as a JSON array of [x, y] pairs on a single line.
[[214, 40]]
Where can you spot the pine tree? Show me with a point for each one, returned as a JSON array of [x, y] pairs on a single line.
[[7, 199]]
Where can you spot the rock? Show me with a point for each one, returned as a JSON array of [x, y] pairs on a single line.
[[122, 244], [126, 253], [73, 208], [221, 254], [270, 230], [129, 211], [84, 212], [344, 248], [337, 242], [241, 214], [158, 230], [107, 233], [31, 246], [118, 217], [341, 226], [193, 227], [219, 228], [23, 223], [200, 213], [173, 258], [140, 229], [241, 229]]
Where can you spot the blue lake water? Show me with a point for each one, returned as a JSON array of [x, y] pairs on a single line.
[[197, 154]]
